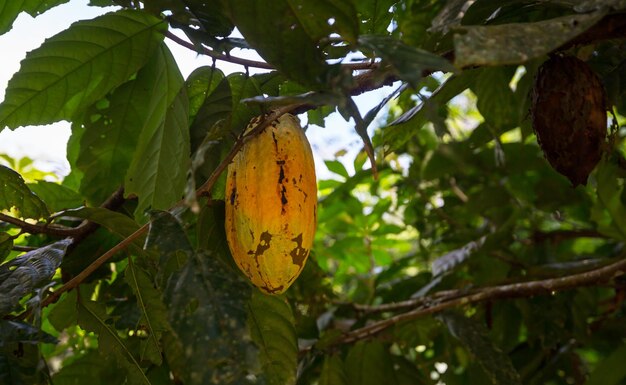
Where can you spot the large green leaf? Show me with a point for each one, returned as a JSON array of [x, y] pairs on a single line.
[[14, 194], [115, 124], [92, 316], [90, 368], [210, 103], [281, 34], [78, 66], [153, 313], [56, 196], [375, 15], [496, 101], [332, 371], [611, 370], [158, 170], [509, 43], [207, 310], [273, 330], [117, 223], [369, 363], [10, 10], [609, 211], [474, 335]]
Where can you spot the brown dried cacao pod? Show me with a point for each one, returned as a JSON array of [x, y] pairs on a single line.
[[569, 116]]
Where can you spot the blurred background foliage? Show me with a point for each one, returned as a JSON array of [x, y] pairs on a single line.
[[466, 259]]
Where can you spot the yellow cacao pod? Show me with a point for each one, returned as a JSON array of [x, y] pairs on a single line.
[[271, 204]]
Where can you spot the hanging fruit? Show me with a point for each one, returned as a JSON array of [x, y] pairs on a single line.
[[271, 204], [569, 116]]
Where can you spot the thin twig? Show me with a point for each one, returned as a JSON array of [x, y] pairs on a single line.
[[365, 65]]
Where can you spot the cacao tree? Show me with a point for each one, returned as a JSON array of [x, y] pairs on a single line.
[[449, 250]]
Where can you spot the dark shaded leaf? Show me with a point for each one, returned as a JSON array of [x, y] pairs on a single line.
[[474, 335], [90, 368], [369, 363], [496, 101], [611, 370], [375, 15], [332, 371], [281, 34], [206, 302], [15, 194], [609, 211], [153, 313], [17, 331], [92, 316], [6, 244], [272, 327], [82, 64]]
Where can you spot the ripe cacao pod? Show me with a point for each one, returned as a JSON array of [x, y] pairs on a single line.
[[271, 204], [569, 116]]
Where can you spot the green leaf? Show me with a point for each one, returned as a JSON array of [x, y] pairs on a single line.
[[92, 316], [242, 87], [90, 368], [281, 34], [158, 170], [509, 43], [115, 124], [369, 363], [210, 103], [332, 371], [337, 167], [153, 313], [496, 101], [116, 223], [10, 10], [609, 212], [56, 196], [206, 302], [375, 15], [24, 274], [610, 370], [16, 195], [475, 336], [6, 244], [78, 66], [64, 313], [273, 330], [408, 62]]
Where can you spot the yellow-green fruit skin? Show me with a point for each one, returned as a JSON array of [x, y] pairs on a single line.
[[271, 204]]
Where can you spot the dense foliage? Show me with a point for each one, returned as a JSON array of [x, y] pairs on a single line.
[[462, 257]]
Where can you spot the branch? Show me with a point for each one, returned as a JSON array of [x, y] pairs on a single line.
[[36, 228], [251, 63], [435, 303]]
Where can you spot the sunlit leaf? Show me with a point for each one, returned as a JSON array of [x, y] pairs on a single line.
[[15, 194], [158, 170], [56, 196]]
